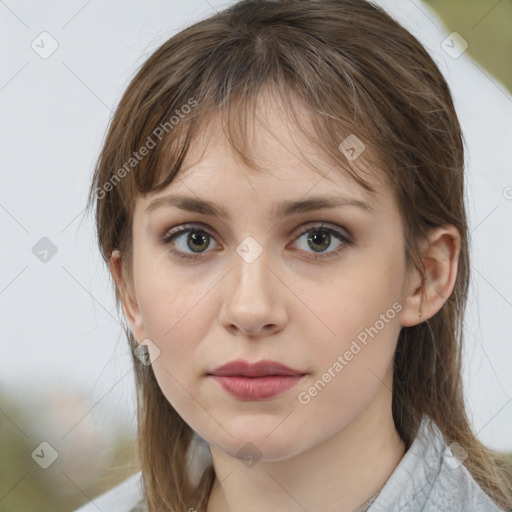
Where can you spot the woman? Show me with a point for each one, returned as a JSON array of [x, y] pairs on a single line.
[[280, 200]]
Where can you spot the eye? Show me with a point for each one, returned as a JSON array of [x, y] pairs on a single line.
[[319, 238], [197, 240]]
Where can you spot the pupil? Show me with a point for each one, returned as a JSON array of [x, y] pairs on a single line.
[[326, 239], [196, 237]]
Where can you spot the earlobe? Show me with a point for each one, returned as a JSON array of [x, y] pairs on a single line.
[[430, 290], [125, 292]]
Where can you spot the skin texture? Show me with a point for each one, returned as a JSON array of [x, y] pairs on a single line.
[[337, 450]]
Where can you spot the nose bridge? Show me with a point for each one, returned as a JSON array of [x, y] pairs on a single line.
[[251, 302], [251, 268]]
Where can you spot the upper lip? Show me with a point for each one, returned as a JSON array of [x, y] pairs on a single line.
[[243, 368]]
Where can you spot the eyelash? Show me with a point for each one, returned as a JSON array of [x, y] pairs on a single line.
[[170, 236]]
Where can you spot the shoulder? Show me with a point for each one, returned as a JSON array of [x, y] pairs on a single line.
[[125, 497], [456, 489], [431, 477]]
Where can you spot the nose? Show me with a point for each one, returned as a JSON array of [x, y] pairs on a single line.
[[253, 303]]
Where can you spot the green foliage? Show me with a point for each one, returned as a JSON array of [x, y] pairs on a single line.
[[486, 26]]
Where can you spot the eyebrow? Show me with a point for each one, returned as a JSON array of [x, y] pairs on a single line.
[[282, 209]]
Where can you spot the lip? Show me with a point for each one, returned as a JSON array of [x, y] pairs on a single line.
[[256, 381], [241, 368]]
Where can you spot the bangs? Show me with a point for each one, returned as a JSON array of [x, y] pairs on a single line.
[[238, 97]]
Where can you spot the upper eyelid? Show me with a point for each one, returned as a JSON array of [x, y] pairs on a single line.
[[176, 231], [197, 226]]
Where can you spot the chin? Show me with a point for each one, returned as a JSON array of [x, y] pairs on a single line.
[[260, 443]]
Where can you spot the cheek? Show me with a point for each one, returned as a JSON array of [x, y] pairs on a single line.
[[361, 309], [177, 313], [177, 322], [354, 300], [171, 301], [353, 366]]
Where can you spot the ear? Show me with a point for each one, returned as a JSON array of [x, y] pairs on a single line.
[[427, 293], [127, 294]]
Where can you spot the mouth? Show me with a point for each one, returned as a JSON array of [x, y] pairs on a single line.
[[256, 381], [241, 368]]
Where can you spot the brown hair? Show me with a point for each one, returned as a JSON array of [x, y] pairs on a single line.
[[357, 71]]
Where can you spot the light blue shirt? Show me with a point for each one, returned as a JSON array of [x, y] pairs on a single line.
[[429, 478]]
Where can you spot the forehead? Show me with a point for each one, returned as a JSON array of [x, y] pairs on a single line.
[[290, 162]]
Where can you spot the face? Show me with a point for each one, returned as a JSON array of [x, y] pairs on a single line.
[[319, 291]]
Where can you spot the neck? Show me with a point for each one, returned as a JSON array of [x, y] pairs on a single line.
[[340, 474]]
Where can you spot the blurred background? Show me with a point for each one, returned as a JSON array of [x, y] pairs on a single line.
[[66, 383]]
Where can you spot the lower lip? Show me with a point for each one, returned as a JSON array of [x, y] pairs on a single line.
[[257, 388]]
